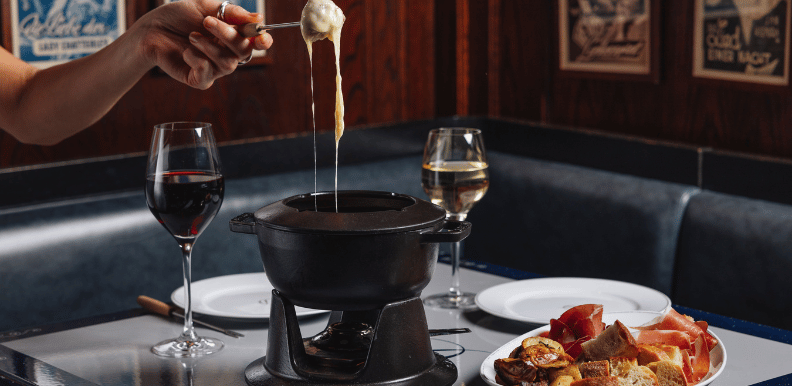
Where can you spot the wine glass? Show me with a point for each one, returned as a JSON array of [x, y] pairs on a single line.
[[455, 177], [184, 190]]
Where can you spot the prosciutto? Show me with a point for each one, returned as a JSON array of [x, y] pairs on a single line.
[[681, 339], [576, 326], [675, 321], [577, 322], [689, 335]]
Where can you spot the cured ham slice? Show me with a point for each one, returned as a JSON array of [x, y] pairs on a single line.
[[577, 322], [673, 320], [574, 349], [576, 326], [699, 359], [584, 320], [681, 339]]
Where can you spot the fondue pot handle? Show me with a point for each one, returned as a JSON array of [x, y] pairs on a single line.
[[244, 223], [451, 232]]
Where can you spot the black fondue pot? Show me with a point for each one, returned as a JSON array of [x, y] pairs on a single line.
[[377, 248]]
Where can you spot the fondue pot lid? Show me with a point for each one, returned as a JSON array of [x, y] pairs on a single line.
[[359, 212]]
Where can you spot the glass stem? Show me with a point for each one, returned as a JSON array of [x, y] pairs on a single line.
[[456, 256], [188, 333]]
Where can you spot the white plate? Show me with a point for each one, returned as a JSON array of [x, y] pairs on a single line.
[[539, 300], [636, 318], [242, 296]]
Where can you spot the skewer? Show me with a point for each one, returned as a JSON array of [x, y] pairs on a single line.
[[253, 29]]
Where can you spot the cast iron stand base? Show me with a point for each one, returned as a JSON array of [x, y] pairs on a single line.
[[400, 353], [443, 373]]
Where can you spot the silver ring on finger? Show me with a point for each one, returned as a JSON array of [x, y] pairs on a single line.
[[246, 60], [221, 10]]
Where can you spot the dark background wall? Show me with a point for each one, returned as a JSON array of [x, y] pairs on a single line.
[[418, 59]]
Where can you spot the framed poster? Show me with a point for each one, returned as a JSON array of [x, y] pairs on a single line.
[[48, 32], [256, 6], [742, 40], [617, 39]]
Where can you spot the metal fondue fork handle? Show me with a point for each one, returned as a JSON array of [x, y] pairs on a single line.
[[253, 29], [448, 331], [164, 309]]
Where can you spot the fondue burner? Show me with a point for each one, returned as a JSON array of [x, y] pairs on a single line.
[[367, 259], [389, 346]]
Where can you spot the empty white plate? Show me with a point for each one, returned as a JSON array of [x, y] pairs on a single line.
[[539, 300], [242, 296]]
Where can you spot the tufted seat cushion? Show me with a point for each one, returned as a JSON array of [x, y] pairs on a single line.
[[735, 258], [562, 220], [86, 257]]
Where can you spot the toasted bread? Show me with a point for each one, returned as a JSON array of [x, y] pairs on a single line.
[[594, 369], [598, 381], [569, 371], [619, 366], [668, 373], [564, 380], [614, 341], [631, 374], [649, 353]]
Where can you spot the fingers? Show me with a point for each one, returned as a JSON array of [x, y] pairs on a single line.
[[262, 42], [228, 36], [202, 72], [237, 15]]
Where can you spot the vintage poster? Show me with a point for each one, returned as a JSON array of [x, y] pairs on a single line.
[[48, 32], [612, 36], [742, 40]]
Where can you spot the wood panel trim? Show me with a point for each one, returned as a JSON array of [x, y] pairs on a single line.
[[463, 56], [401, 54], [494, 55]]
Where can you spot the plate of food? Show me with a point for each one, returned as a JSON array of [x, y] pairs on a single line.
[[539, 300], [667, 347], [243, 296]]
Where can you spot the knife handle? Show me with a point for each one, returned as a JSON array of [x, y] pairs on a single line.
[[155, 305]]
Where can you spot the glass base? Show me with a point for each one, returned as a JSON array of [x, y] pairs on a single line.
[[185, 348], [462, 301]]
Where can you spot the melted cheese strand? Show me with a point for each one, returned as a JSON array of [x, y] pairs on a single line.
[[313, 117], [322, 19]]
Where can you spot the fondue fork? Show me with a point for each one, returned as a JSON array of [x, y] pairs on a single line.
[[252, 29], [448, 331], [164, 309]]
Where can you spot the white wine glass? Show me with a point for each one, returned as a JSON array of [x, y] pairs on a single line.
[[184, 191], [455, 176]]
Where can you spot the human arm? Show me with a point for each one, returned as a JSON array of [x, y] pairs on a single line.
[[46, 106]]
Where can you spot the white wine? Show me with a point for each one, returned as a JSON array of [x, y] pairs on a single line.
[[456, 186]]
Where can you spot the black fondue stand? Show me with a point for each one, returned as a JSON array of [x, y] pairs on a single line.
[[367, 260]]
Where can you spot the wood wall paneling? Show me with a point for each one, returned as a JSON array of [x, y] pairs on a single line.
[[445, 35], [417, 59], [523, 63], [681, 108], [387, 64]]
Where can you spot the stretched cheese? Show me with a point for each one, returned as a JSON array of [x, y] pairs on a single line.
[[322, 19]]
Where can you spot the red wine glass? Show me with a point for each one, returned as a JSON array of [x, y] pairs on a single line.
[[184, 191]]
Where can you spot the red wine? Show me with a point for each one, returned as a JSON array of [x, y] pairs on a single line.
[[185, 202]]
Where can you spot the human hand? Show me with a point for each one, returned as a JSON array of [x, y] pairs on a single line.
[[187, 41]]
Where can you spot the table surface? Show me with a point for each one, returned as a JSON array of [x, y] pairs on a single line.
[[115, 350]]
